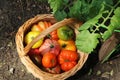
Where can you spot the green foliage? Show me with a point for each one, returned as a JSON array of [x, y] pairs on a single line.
[[55, 4], [86, 41], [42, 0], [58, 8], [101, 18], [95, 25], [80, 9], [75, 9], [114, 23]]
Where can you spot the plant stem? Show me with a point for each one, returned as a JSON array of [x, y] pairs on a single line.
[[105, 19]]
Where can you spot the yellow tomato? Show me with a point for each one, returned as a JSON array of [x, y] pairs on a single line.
[[40, 26], [35, 27], [67, 45], [30, 36]]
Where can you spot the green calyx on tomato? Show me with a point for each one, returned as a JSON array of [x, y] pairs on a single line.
[[65, 33], [30, 36]]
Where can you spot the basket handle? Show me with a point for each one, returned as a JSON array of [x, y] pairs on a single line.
[[47, 31]]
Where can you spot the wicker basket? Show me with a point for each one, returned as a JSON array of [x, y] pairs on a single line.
[[23, 50]]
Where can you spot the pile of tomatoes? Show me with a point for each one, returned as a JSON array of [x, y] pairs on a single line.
[[55, 53]]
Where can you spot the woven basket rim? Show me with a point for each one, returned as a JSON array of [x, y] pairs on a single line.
[[37, 72]]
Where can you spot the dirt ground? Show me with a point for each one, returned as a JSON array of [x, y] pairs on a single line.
[[14, 13]]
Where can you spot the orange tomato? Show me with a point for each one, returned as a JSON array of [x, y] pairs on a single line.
[[49, 60], [53, 35], [42, 25], [67, 45], [35, 27], [46, 24]]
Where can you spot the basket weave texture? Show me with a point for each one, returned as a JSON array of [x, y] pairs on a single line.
[[23, 50]]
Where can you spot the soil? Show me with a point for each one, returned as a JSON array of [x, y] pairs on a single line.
[[13, 13]]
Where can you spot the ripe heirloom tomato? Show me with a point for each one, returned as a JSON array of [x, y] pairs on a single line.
[[68, 65], [36, 58], [50, 45], [67, 58], [35, 27], [65, 33], [49, 60], [40, 26], [34, 51], [67, 45], [53, 35], [30, 36], [54, 70]]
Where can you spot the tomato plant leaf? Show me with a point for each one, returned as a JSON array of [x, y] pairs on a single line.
[[56, 4], [86, 41], [75, 9], [114, 24], [90, 22], [60, 15], [80, 9]]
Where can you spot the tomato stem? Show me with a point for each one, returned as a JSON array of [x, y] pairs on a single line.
[[51, 46], [64, 45], [49, 36]]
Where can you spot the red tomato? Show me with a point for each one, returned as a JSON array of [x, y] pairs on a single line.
[[51, 46], [54, 70], [49, 60], [34, 51], [67, 58], [68, 65], [37, 59]]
